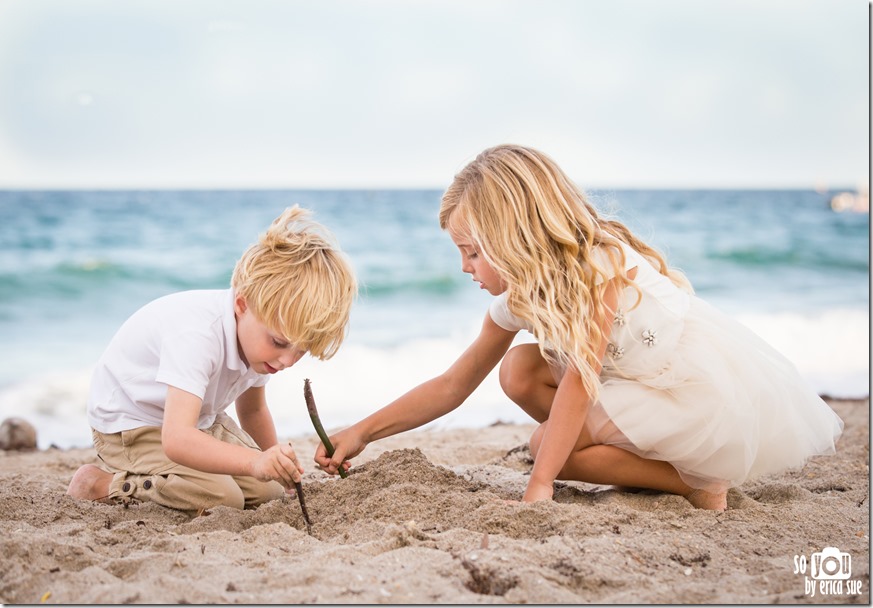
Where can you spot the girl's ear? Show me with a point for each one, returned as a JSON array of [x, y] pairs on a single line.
[[239, 305]]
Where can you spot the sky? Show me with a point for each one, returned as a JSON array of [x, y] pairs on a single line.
[[402, 94]]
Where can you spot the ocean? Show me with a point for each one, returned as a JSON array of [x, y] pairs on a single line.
[[75, 264]]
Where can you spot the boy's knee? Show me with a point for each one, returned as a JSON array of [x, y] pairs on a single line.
[[262, 492], [222, 491], [231, 498], [179, 492]]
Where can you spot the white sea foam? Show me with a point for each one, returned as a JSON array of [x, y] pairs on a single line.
[[831, 350], [55, 404]]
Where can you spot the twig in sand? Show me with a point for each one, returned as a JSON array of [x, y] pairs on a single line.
[[316, 422], [299, 487]]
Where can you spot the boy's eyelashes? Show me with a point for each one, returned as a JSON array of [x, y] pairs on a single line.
[[279, 343]]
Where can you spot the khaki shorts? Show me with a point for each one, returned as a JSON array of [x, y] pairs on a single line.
[[141, 470]]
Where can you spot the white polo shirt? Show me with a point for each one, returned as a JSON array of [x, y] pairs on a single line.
[[187, 340]]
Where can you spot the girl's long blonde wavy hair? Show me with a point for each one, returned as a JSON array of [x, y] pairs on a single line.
[[538, 231]]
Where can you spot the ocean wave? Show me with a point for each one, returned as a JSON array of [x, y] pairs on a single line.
[[87, 277], [75, 265], [439, 284], [759, 257], [90, 277], [831, 351]]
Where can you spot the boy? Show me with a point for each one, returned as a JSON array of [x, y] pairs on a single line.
[[158, 393]]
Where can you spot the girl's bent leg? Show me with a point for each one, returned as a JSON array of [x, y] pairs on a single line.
[[607, 464], [527, 379], [611, 465]]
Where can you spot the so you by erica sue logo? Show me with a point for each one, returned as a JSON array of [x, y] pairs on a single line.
[[830, 571]]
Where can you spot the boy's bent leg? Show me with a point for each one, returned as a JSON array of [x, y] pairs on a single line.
[[90, 482], [190, 490], [255, 492], [141, 470], [258, 492]]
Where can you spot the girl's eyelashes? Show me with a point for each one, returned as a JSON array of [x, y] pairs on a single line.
[[279, 343]]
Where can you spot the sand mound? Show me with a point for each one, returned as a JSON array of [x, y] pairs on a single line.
[[425, 519]]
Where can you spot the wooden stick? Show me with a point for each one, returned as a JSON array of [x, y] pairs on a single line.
[[316, 422], [306, 520], [299, 488]]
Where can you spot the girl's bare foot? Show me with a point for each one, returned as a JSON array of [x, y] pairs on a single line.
[[714, 501], [90, 483]]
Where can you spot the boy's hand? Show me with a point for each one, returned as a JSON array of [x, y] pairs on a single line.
[[346, 444], [278, 463]]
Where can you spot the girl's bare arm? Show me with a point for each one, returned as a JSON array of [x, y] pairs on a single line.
[[427, 401], [568, 413]]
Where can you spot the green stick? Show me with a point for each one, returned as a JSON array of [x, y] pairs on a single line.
[[316, 422]]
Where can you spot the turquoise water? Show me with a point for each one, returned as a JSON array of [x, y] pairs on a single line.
[[74, 265]]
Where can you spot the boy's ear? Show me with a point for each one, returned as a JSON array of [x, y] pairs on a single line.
[[239, 305]]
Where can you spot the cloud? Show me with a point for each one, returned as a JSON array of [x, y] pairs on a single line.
[[391, 93]]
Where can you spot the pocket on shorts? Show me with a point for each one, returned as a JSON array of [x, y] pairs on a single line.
[[139, 441], [97, 440]]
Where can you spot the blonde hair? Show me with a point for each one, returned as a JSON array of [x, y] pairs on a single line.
[[538, 232], [298, 283]]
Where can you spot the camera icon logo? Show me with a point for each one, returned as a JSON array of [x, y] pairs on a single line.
[[830, 564]]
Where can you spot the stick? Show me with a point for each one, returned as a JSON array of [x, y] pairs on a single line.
[[316, 422], [299, 488]]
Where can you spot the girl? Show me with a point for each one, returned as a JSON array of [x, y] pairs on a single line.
[[634, 380]]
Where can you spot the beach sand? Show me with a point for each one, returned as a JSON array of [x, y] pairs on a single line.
[[426, 517]]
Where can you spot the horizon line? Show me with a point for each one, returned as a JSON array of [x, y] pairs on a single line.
[[821, 188]]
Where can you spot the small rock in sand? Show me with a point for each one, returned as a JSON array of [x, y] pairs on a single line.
[[17, 434]]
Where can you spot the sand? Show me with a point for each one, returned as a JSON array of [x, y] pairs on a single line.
[[430, 517]]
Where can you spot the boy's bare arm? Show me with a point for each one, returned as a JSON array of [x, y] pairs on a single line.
[[255, 418], [185, 444]]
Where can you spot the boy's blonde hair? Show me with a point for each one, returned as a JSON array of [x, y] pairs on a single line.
[[538, 232], [298, 282]]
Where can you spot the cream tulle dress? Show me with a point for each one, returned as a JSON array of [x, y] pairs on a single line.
[[686, 383]]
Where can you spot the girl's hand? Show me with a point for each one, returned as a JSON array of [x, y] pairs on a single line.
[[538, 491], [278, 463], [346, 444]]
